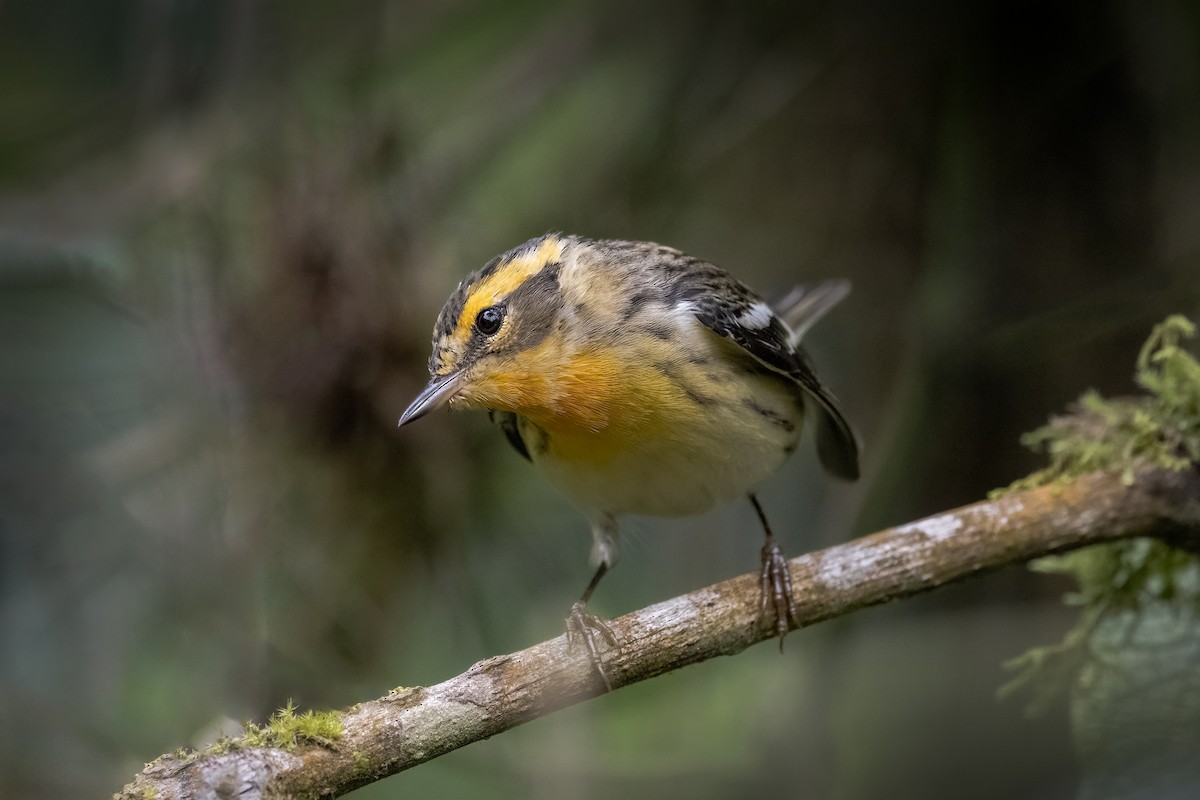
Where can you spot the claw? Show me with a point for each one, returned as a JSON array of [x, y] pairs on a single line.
[[585, 627], [776, 584]]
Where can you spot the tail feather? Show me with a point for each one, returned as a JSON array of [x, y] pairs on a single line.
[[837, 446], [803, 305], [800, 308]]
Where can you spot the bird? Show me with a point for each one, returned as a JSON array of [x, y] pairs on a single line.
[[640, 380]]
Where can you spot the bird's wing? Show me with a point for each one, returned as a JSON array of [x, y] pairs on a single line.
[[731, 310], [507, 421]]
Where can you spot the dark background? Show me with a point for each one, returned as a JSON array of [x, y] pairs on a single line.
[[226, 229]]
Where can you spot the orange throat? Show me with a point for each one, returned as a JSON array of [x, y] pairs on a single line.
[[591, 407]]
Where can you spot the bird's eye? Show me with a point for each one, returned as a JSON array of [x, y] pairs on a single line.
[[489, 320]]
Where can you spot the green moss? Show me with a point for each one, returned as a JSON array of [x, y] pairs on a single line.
[[1122, 579], [285, 729], [1161, 427], [222, 745], [362, 765]]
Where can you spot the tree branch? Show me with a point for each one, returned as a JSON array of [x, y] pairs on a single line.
[[411, 726]]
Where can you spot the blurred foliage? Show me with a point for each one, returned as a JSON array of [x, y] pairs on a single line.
[[226, 229], [1132, 661]]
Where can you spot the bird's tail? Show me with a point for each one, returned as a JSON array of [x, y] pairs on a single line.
[[802, 305], [800, 308]]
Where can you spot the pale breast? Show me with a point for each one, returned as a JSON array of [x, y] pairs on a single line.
[[691, 442]]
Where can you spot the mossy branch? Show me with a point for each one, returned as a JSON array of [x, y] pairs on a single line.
[[410, 726]]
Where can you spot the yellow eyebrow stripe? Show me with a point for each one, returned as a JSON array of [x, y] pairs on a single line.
[[503, 281]]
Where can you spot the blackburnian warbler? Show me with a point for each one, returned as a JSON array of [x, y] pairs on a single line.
[[641, 380]]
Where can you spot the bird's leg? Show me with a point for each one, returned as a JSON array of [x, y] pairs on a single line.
[[775, 581], [585, 627]]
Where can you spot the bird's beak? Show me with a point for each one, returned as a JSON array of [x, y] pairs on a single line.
[[434, 395]]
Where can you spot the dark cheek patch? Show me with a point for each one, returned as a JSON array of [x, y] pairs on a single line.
[[532, 312]]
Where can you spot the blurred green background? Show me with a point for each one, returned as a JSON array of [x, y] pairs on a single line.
[[226, 229]]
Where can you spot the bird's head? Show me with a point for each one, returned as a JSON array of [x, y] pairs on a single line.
[[489, 341]]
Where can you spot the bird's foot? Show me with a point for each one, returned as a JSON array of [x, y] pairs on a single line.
[[587, 628], [776, 584]]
